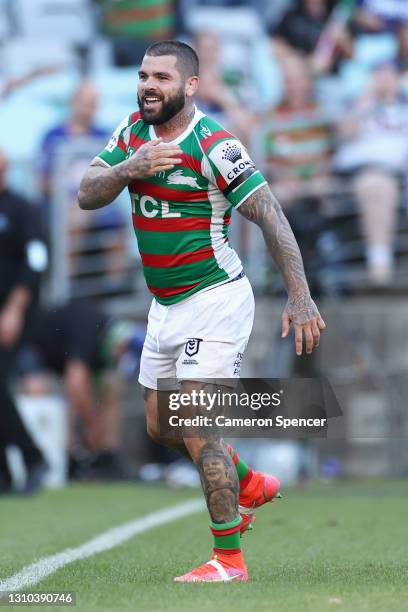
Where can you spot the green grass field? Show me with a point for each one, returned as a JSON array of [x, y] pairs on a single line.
[[326, 547]]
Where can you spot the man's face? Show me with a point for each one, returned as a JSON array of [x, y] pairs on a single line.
[[161, 92]]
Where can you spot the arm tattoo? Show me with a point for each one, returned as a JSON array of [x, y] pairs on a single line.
[[263, 209], [101, 185]]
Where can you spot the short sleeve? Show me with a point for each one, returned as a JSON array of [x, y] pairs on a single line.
[[115, 151], [235, 172]]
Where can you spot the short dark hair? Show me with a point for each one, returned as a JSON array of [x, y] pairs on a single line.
[[187, 58]]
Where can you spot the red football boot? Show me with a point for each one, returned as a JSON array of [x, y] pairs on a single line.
[[221, 568], [262, 489]]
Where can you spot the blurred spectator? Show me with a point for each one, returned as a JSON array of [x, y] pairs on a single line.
[[375, 152], [23, 257], [378, 16], [134, 24], [79, 124], [403, 48], [316, 30], [212, 88], [93, 354], [214, 96], [247, 58], [79, 130], [296, 138]]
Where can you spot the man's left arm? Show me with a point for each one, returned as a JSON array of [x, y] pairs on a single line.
[[262, 208]]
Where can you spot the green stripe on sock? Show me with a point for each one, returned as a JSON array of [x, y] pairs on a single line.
[[227, 542], [241, 467], [230, 525]]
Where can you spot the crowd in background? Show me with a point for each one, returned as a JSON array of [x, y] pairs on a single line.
[[316, 90]]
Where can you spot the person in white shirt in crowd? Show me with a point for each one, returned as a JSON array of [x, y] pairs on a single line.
[[375, 151]]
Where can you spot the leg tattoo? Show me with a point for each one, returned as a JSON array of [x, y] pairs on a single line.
[[219, 481]]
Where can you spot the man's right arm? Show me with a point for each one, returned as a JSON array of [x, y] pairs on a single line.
[[101, 184]]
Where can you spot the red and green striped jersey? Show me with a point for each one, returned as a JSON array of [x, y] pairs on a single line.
[[181, 216], [141, 19]]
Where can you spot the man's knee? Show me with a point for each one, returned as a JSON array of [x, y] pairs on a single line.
[[194, 446]]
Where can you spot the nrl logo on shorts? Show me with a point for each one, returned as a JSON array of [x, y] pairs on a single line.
[[232, 153], [192, 346]]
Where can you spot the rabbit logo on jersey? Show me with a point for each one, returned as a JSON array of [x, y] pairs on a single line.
[[177, 178], [231, 159]]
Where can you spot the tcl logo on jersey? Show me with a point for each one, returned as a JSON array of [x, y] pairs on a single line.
[[231, 159], [150, 207]]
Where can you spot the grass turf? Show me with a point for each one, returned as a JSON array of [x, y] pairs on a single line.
[[334, 547]]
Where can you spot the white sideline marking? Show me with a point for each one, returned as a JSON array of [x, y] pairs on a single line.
[[37, 571]]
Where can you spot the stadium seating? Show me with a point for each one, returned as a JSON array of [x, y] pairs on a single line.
[[4, 22], [245, 50], [68, 20], [21, 137], [24, 54], [117, 88], [371, 50]]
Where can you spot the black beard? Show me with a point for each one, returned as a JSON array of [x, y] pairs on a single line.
[[169, 109]]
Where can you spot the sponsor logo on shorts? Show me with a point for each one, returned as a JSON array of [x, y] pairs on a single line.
[[192, 346], [190, 362], [238, 363]]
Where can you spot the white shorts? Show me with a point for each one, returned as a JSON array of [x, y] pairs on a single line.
[[202, 337]]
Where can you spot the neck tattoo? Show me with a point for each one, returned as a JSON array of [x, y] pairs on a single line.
[[176, 125]]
